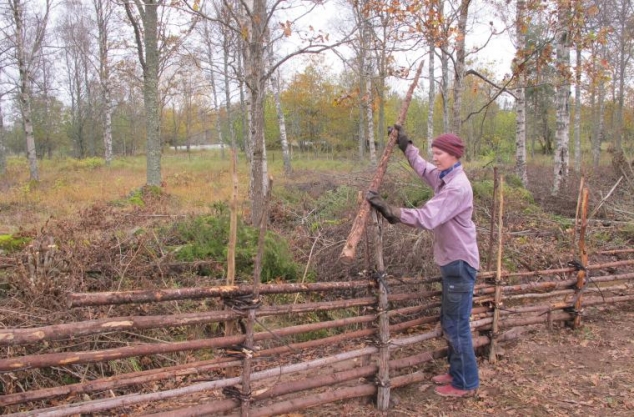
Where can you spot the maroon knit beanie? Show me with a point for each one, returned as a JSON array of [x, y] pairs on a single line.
[[449, 143]]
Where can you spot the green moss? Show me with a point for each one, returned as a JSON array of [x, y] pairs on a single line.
[[10, 243], [141, 196]]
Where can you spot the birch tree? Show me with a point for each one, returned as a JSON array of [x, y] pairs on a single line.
[[74, 32], [251, 24], [368, 73], [562, 95], [459, 65], [520, 93], [143, 16], [281, 121], [103, 14], [621, 51], [209, 54], [27, 30]]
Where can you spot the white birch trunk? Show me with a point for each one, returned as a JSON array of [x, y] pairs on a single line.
[[25, 87], [362, 112], [281, 120], [369, 112], [561, 156], [444, 67], [212, 82], [459, 66], [596, 150], [520, 132], [103, 11], [578, 70]]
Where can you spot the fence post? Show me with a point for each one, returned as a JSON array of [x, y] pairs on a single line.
[[383, 377], [583, 254], [251, 303]]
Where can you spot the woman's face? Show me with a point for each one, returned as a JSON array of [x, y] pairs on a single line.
[[442, 159]]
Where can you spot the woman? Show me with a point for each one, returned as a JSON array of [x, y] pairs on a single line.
[[449, 215]]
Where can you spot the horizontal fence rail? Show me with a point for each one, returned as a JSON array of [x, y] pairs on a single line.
[[299, 362]]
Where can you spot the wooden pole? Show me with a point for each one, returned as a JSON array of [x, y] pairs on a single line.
[[383, 377], [358, 227], [497, 304], [249, 339], [194, 293], [583, 255]]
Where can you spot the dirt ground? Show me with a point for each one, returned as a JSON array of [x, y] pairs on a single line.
[[561, 372]]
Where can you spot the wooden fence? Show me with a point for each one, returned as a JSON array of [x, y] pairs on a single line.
[[343, 340], [378, 334]]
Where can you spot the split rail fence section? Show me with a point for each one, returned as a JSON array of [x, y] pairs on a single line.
[[348, 339]]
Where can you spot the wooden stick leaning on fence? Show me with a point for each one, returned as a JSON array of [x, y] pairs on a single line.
[[358, 227]]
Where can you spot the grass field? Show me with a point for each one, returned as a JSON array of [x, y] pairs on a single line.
[[195, 180]]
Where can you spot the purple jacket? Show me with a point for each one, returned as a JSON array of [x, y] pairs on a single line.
[[448, 213]]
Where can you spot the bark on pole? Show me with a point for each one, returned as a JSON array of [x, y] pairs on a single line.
[[358, 227]]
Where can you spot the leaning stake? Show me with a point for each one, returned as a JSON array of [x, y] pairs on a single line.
[[358, 227]]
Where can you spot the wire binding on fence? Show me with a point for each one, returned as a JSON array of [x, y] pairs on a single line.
[[242, 303], [576, 265], [385, 383], [236, 394], [379, 343], [381, 278], [239, 351]]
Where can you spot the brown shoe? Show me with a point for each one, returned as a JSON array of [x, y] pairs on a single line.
[[443, 379], [451, 391]]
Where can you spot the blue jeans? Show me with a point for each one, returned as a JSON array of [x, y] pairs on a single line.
[[458, 279]]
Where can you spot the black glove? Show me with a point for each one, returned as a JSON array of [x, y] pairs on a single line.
[[391, 214], [402, 140]]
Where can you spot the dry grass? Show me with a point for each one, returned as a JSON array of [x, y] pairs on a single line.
[[67, 186]]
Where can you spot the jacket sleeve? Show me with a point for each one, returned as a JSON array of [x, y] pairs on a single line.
[[425, 170], [441, 208]]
